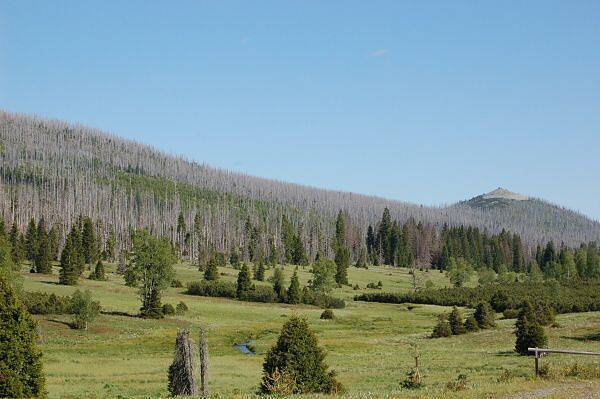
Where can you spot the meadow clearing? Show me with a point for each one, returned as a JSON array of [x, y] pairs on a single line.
[[370, 345]]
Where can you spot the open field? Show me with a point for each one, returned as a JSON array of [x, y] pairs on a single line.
[[368, 343]]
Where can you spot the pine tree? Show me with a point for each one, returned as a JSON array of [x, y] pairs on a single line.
[[298, 355], [53, 243], [31, 241], [68, 264], [278, 281], [16, 246], [442, 328], [88, 242], [456, 321], [244, 284], [212, 271], [471, 324], [109, 250], [294, 294], [484, 315], [20, 359], [259, 271], [98, 273], [42, 260], [234, 259], [273, 253], [529, 333]]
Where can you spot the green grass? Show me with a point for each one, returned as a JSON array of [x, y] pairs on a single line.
[[368, 344]]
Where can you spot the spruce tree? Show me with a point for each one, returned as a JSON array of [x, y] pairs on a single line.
[[16, 247], [342, 254], [529, 333], [294, 295], [278, 281], [234, 259], [484, 315], [456, 321], [43, 257], [53, 243], [21, 374], [212, 271], [259, 271], [471, 324], [244, 284], [88, 242], [31, 241], [69, 273], [297, 356], [442, 328], [98, 273]]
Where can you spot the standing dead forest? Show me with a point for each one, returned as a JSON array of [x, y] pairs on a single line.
[[96, 229]]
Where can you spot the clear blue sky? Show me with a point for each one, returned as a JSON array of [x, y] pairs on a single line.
[[429, 102]]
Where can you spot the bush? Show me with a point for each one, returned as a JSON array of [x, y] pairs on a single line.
[[181, 308], [413, 380], [375, 286], [456, 322], [442, 328], [460, 384], [20, 358], [567, 297], [175, 283], [484, 315], [168, 309], [217, 288], [510, 313], [327, 315], [84, 309], [321, 300], [471, 324], [43, 303], [261, 293], [298, 355]]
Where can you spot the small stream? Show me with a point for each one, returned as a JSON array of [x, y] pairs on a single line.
[[244, 347]]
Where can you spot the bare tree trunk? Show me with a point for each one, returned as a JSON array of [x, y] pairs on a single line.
[[203, 345]]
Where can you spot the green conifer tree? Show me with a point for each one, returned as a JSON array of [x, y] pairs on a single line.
[[21, 374], [212, 271], [31, 241], [456, 321], [529, 333], [294, 295], [244, 284]]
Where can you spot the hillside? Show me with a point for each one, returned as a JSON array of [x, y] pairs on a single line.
[[60, 170]]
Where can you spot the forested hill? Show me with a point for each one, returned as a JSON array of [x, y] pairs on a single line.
[[60, 170]]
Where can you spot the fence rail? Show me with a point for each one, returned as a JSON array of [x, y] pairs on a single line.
[[541, 351]]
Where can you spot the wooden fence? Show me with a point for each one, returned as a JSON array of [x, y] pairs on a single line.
[[541, 351]]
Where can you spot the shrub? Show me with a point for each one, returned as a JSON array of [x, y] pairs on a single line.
[[298, 355], [460, 384], [413, 380], [327, 315], [484, 315], [567, 297], [321, 300], [176, 283], [456, 322], [442, 328], [510, 313], [43, 303], [84, 309], [544, 314], [20, 358], [356, 287], [181, 308], [375, 286], [168, 309], [98, 273], [223, 289], [471, 324], [261, 293]]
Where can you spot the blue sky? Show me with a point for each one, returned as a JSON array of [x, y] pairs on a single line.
[[428, 102]]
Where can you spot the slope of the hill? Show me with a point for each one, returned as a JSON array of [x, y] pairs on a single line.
[[61, 170]]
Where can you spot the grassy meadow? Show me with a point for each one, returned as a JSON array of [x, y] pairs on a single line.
[[368, 344]]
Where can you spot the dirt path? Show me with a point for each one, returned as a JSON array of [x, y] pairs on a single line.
[[572, 390]]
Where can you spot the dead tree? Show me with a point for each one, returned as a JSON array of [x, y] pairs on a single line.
[[203, 345], [182, 372]]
